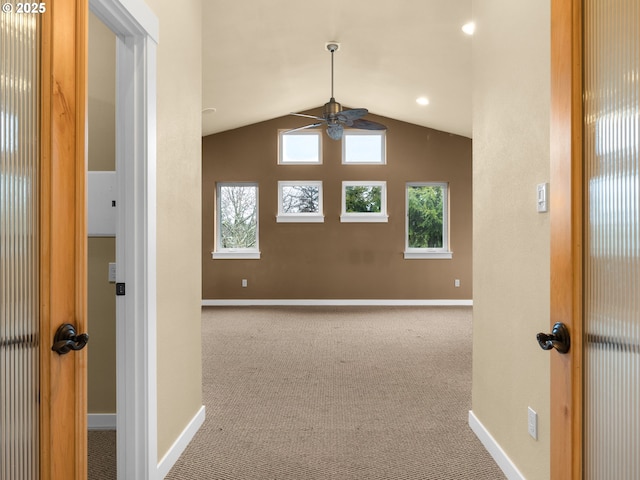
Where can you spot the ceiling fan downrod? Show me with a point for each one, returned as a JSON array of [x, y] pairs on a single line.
[[332, 108]]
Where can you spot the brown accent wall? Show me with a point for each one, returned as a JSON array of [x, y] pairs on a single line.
[[334, 260]]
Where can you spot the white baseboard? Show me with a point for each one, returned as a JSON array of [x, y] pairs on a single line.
[[179, 446], [494, 449], [335, 302], [101, 421]]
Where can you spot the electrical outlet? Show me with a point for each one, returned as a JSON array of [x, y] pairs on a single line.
[[533, 423], [456, 282], [244, 283]]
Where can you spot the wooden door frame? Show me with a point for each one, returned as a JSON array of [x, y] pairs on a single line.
[[63, 238], [136, 29], [566, 235]]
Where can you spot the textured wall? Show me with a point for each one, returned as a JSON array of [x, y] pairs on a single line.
[[179, 104], [511, 240], [334, 260]]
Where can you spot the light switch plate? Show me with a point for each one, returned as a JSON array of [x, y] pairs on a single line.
[[543, 197], [112, 272]]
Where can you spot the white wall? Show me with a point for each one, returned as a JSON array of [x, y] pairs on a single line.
[[511, 68]]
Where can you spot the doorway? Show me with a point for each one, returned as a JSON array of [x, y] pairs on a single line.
[[136, 32], [101, 248]]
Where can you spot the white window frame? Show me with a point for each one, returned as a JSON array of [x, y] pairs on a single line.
[[281, 150], [236, 253], [303, 217], [445, 252], [359, 133], [371, 217]]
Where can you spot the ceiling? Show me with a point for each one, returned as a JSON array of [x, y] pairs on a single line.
[[265, 59]]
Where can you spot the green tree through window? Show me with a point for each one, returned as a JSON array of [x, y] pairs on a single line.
[[366, 198], [425, 216]]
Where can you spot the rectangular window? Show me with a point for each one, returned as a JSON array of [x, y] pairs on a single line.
[[236, 221], [303, 147], [363, 147], [427, 233], [364, 202], [300, 201]]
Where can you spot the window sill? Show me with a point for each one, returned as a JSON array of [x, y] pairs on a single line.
[[428, 255], [300, 218], [364, 218], [237, 255]]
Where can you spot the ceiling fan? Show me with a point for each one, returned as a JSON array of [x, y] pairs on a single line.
[[334, 117]]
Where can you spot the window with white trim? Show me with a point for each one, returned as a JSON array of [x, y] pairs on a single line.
[[364, 202], [362, 147], [300, 201], [236, 220], [303, 147], [427, 227]]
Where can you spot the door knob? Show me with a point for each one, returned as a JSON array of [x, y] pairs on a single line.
[[558, 338], [66, 339]]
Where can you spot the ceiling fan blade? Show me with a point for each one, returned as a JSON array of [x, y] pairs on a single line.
[[313, 125], [307, 116], [348, 116], [335, 131], [367, 125]]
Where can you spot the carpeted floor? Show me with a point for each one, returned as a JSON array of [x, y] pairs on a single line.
[[334, 393], [101, 458]]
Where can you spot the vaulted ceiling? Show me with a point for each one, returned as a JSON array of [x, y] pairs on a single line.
[[263, 59]]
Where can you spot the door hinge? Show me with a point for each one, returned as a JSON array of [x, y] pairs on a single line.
[[120, 290]]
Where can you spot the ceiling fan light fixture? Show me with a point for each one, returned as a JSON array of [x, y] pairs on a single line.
[[333, 116]]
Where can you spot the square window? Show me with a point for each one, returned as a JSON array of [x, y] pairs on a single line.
[[236, 221], [364, 202], [427, 232], [303, 147], [300, 201], [363, 147]]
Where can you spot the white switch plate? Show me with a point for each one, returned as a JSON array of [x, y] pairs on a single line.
[[112, 272], [533, 423], [543, 197]]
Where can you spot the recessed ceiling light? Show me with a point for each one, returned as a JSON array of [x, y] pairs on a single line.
[[209, 110], [469, 28], [422, 101]]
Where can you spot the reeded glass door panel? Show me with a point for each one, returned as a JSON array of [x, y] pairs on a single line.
[[612, 243], [19, 247]]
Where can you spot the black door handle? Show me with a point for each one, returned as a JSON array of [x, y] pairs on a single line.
[[66, 339], [558, 338]]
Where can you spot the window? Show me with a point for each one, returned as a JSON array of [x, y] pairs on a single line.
[[236, 221], [427, 234], [363, 147], [364, 202], [303, 147], [300, 201]]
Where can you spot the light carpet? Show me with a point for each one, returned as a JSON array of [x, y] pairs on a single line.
[[336, 393]]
